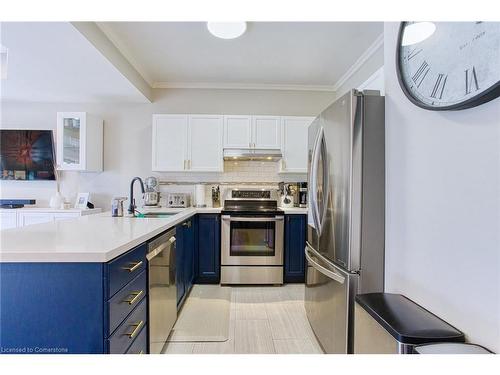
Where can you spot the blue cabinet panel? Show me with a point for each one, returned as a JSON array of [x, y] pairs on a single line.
[[126, 267], [207, 255], [295, 242], [128, 331], [57, 306], [125, 300], [179, 262], [184, 258], [140, 345], [189, 230]]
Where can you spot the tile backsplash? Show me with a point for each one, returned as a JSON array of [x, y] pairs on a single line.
[[237, 174], [240, 171]]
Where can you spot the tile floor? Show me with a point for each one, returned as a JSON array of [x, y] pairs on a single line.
[[264, 319]]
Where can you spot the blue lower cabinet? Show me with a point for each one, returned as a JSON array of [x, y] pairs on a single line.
[[295, 243], [140, 345], [207, 254], [51, 308], [179, 262], [189, 231], [123, 302], [125, 335], [75, 308], [184, 258]]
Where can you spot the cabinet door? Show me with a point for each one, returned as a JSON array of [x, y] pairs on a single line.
[[208, 249], [29, 218], [8, 219], [295, 242], [294, 148], [188, 238], [71, 135], [237, 132], [179, 262], [205, 143], [169, 143], [266, 132]]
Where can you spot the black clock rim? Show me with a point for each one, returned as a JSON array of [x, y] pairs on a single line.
[[491, 93]]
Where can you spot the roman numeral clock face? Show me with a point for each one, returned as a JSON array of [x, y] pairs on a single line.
[[449, 65]]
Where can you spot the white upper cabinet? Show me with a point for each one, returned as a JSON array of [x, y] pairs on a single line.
[[169, 143], [266, 132], [205, 143], [79, 144], [294, 150], [249, 132], [187, 143], [237, 132]]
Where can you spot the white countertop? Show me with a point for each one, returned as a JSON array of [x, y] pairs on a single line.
[[87, 211], [92, 238]]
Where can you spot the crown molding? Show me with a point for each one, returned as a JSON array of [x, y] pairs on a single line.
[[379, 42], [240, 86]]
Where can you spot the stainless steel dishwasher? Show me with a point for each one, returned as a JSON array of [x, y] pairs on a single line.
[[162, 290]]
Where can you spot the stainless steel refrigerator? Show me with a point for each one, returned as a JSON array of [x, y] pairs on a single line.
[[345, 235]]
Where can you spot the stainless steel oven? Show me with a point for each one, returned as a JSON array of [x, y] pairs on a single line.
[[252, 234]]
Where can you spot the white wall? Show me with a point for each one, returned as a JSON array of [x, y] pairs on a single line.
[[443, 208], [127, 136]]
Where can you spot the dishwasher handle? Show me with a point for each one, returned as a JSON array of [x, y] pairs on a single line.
[[159, 249]]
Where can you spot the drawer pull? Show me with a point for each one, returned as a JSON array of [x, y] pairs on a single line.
[[133, 266], [134, 299], [136, 329]]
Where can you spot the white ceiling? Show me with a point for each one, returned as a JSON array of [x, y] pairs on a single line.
[[298, 54], [53, 62]]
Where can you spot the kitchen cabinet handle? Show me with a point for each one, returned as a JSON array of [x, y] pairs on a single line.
[[137, 328], [189, 164], [133, 266], [136, 297], [187, 224]]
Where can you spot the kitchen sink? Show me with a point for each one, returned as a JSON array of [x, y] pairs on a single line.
[[156, 215]]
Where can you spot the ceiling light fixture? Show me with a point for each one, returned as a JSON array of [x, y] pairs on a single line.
[[417, 32], [227, 30]]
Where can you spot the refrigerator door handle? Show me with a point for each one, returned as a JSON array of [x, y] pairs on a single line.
[[313, 182], [326, 181], [328, 273]]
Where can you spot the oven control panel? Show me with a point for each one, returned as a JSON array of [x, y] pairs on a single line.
[[251, 194]]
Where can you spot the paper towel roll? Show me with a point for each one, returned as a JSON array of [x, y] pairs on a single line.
[[200, 195]]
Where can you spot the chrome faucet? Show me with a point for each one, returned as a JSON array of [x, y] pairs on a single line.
[[131, 207]]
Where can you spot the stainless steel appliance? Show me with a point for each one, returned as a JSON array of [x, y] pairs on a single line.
[[117, 206], [252, 238], [162, 290], [152, 194], [302, 194], [178, 200], [345, 235]]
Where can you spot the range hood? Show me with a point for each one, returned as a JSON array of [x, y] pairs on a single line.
[[253, 154]]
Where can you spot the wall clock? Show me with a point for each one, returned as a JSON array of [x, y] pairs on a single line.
[[449, 65]]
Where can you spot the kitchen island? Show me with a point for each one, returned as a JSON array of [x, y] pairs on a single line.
[[80, 286]]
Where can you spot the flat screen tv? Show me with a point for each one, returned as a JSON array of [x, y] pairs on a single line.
[[26, 155]]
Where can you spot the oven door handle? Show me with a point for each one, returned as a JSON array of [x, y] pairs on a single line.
[[229, 218]]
